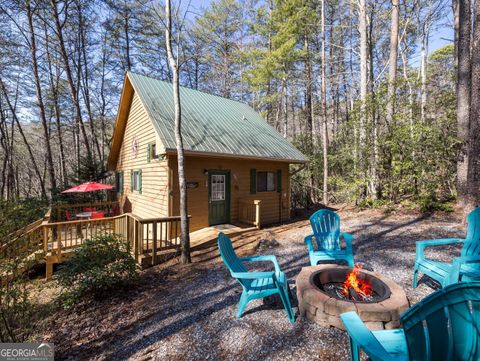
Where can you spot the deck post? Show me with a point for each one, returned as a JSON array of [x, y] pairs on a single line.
[[135, 239], [257, 213], [45, 239], [154, 243]]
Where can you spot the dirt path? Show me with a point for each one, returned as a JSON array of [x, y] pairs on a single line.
[[188, 312]]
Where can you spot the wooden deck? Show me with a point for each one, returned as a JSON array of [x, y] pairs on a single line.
[[151, 241], [205, 237]]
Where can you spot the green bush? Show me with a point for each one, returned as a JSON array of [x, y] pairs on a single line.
[[430, 203], [99, 266]]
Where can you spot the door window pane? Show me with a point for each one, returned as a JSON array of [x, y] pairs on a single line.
[[218, 187]]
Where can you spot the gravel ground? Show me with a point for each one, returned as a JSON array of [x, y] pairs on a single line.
[[188, 312]]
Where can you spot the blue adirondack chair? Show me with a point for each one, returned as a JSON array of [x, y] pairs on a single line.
[[326, 231], [444, 326], [463, 268], [255, 284]]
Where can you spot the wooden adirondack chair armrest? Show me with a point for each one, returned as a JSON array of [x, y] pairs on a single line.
[[309, 243], [364, 338], [348, 239], [422, 245], [252, 275], [265, 258]]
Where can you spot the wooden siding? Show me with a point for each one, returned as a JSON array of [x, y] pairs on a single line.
[[275, 207], [153, 200]]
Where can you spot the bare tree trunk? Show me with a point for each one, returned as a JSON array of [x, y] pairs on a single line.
[[324, 109], [27, 144], [182, 185], [126, 31], [392, 71], [54, 80], [68, 71], [40, 103], [373, 184], [285, 110], [423, 61], [473, 178], [362, 28], [463, 95], [308, 91], [85, 76]]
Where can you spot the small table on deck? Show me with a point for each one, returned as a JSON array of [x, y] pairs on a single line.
[[83, 215]]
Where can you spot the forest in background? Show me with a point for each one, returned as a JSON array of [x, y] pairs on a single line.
[[351, 83]]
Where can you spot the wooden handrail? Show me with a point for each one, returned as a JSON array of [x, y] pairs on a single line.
[[69, 205], [145, 237], [250, 211], [80, 221], [162, 219]]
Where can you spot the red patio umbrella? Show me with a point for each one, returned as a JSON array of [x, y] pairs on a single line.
[[88, 187]]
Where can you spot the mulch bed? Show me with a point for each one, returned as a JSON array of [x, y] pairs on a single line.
[[188, 312]]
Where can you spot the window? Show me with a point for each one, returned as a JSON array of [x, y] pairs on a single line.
[[137, 180], [119, 182], [266, 181], [218, 187], [151, 152]]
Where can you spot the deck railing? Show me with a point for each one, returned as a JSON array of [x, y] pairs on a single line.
[[147, 238], [59, 211], [249, 212], [25, 240]]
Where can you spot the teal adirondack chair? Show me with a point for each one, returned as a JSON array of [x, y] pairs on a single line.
[[444, 326], [255, 284], [326, 231], [463, 268]]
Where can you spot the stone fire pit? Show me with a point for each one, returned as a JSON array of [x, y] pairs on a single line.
[[324, 309]]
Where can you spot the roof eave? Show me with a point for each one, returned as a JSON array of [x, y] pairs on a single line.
[[120, 123], [172, 151]]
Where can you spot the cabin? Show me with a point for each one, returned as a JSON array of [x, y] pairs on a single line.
[[237, 166]]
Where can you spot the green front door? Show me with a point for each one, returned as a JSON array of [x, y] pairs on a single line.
[[218, 197]]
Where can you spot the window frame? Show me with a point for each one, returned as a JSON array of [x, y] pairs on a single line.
[[136, 180], [263, 188]]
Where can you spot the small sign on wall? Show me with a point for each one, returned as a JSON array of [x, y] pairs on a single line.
[[192, 185]]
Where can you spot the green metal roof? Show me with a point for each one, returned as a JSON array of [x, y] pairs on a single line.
[[211, 124]]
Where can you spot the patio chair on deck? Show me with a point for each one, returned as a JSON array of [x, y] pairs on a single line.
[[255, 284], [463, 268], [97, 215], [326, 232], [68, 216], [444, 326]]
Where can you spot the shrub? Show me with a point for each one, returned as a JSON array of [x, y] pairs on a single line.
[[98, 266], [16, 311]]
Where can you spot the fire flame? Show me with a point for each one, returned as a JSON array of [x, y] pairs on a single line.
[[361, 287]]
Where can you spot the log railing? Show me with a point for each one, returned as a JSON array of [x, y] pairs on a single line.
[[59, 211], [249, 212]]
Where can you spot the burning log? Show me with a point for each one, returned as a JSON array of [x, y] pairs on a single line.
[[355, 288]]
